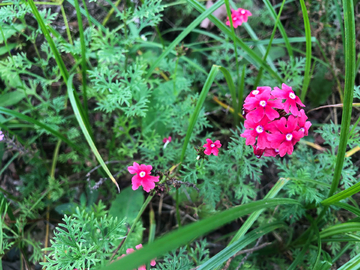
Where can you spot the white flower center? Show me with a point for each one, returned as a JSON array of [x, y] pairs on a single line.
[[292, 95], [243, 12], [142, 174], [212, 145], [258, 156], [289, 137], [262, 103], [276, 150], [255, 92], [259, 129], [302, 129]]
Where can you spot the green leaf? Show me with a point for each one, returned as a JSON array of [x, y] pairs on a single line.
[[343, 194], [308, 50], [12, 98], [235, 247], [33, 121], [85, 131], [10, 30], [353, 264], [231, 85], [340, 229], [190, 232], [4, 50], [348, 207], [127, 204]]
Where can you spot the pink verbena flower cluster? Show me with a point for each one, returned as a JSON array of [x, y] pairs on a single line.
[[272, 126], [131, 250], [238, 17]]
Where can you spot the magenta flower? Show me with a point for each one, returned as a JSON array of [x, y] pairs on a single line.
[[238, 17], [303, 125], [271, 152], [212, 147], [131, 250], [257, 91], [261, 105], [257, 130], [257, 151], [291, 100], [1, 135], [286, 136], [142, 177], [167, 140]]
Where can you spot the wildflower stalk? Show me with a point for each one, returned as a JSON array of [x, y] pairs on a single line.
[[269, 46]]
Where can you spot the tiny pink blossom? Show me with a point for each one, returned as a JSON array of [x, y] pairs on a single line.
[[257, 91], [142, 177], [167, 140], [212, 147], [303, 125], [257, 130], [257, 151], [261, 105], [286, 136], [238, 17], [1, 135], [291, 100]]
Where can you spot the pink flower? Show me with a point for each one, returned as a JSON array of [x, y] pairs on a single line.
[[212, 147], [257, 151], [286, 136], [257, 130], [271, 152], [292, 100], [238, 17], [1, 135], [303, 125], [261, 105], [257, 91], [167, 140], [142, 177]]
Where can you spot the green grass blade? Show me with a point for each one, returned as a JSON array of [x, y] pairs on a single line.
[[250, 53], [308, 51], [241, 90], [214, 70], [281, 29], [340, 229], [350, 55], [83, 12], [254, 216], [85, 131], [232, 249], [348, 207], [301, 256], [190, 232], [58, 59], [35, 122], [342, 195], [183, 34], [231, 85], [353, 264], [83, 56]]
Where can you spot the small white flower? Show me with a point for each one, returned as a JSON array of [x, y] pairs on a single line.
[[143, 37]]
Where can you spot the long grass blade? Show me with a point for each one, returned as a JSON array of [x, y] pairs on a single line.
[[342, 195], [85, 131], [190, 232], [231, 85], [35, 122], [353, 264], [307, 72]]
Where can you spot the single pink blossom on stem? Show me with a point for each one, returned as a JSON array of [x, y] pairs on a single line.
[[142, 177], [257, 130], [212, 147], [238, 17], [303, 125], [286, 136], [291, 100], [167, 140], [261, 105]]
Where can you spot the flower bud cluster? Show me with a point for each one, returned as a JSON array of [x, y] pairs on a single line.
[[273, 127]]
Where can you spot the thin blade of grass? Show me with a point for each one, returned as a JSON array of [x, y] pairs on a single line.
[[85, 131], [183, 34], [190, 232], [231, 85], [308, 51], [342, 195], [353, 264], [340, 229], [250, 53], [35, 122], [237, 246]]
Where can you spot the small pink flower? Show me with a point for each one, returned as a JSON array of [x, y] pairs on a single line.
[[257, 91], [303, 125], [238, 17], [271, 152], [286, 136], [167, 140], [257, 130], [291, 100], [261, 105], [257, 151], [212, 147], [142, 177], [1, 135]]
